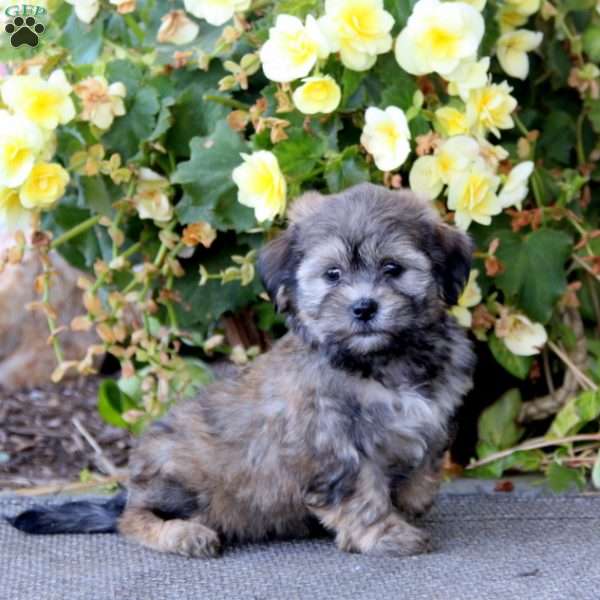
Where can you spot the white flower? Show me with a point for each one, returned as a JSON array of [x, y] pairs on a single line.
[[477, 4], [512, 49], [493, 155], [20, 144], [13, 215], [452, 121], [470, 297], [515, 188], [469, 75], [151, 198], [292, 49], [438, 36], [429, 174], [490, 107], [317, 95], [216, 12], [101, 102], [85, 10], [520, 335], [359, 30], [261, 184], [472, 195], [386, 136], [176, 28], [455, 156], [46, 103], [424, 178]]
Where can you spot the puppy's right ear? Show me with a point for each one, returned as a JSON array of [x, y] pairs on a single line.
[[277, 264]]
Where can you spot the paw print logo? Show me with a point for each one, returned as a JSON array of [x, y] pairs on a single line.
[[24, 31]]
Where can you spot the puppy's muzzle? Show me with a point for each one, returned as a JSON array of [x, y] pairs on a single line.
[[364, 309]]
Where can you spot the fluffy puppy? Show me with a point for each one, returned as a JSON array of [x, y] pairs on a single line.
[[343, 422]]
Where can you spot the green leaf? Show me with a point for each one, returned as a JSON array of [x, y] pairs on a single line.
[[299, 154], [497, 424], [192, 117], [134, 128], [535, 274], [398, 87], [350, 82], [576, 413], [112, 403], [297, 8], [94, 195], [518, 366], [127, 72], [82, 40], [558, 137], [591, 42], [562, 479], [164, 120], [400, 10], [348, 171], [209, 191]]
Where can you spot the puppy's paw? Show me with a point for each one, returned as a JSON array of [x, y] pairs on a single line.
[[414, 508], [192, 539], [402, 540]]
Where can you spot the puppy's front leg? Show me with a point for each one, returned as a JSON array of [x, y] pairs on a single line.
[[415, 496], [364, 520]]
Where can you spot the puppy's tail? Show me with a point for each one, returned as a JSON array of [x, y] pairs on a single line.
[[82, 516]]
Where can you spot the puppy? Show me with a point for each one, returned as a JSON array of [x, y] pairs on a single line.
[[343, 422]]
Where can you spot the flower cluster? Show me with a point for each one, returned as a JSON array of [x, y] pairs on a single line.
[[28, 181]]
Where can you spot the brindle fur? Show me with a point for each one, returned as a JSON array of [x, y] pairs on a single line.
[[340, 421]]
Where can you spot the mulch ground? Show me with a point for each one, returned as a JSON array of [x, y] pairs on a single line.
[[40, 442]]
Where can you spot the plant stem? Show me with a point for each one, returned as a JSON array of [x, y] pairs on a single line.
[[535, 444], [225, 101], [51, 322], [75, 231]]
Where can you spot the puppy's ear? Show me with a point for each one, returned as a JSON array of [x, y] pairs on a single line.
[[277, 263], [452, 258]]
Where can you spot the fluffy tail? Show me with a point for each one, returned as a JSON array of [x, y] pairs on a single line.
[[82, 516]]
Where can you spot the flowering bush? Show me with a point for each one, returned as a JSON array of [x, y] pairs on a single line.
[[157, 145]]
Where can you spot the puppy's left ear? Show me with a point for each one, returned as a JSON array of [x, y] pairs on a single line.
[[277, 264], [452, 257]]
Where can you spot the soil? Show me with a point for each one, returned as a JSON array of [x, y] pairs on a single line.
[[39, 441]]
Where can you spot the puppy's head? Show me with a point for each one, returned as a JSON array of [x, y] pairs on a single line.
[[357, 271]]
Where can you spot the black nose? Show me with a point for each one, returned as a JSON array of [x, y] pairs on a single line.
[[364, 309]]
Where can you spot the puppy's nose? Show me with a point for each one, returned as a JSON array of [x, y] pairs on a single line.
[[364, 309]]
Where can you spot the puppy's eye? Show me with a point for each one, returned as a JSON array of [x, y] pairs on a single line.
[[392, 269], [332, 275]]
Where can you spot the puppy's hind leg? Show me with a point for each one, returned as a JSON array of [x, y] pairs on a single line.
[[188, 537]]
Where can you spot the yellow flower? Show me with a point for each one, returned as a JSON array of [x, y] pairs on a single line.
[[512, 49], [509, 18], [524, 7], [424, 178], [452, 121], [20, 144], [515, 188], [520, 335], [470, 297], [101, 102], [359, 30], [215, 12], [490, 107], [85, 10], [317, 95], [429, 174], [455, 156], [438, 36], [292, 49], [176, 28], [13, 216], [45, 185], [261, 184], [472, 195], [386, 136], [469, 75], [151, 199], [46, 103]]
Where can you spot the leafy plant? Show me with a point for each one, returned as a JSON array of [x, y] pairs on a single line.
[[177, 137]]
